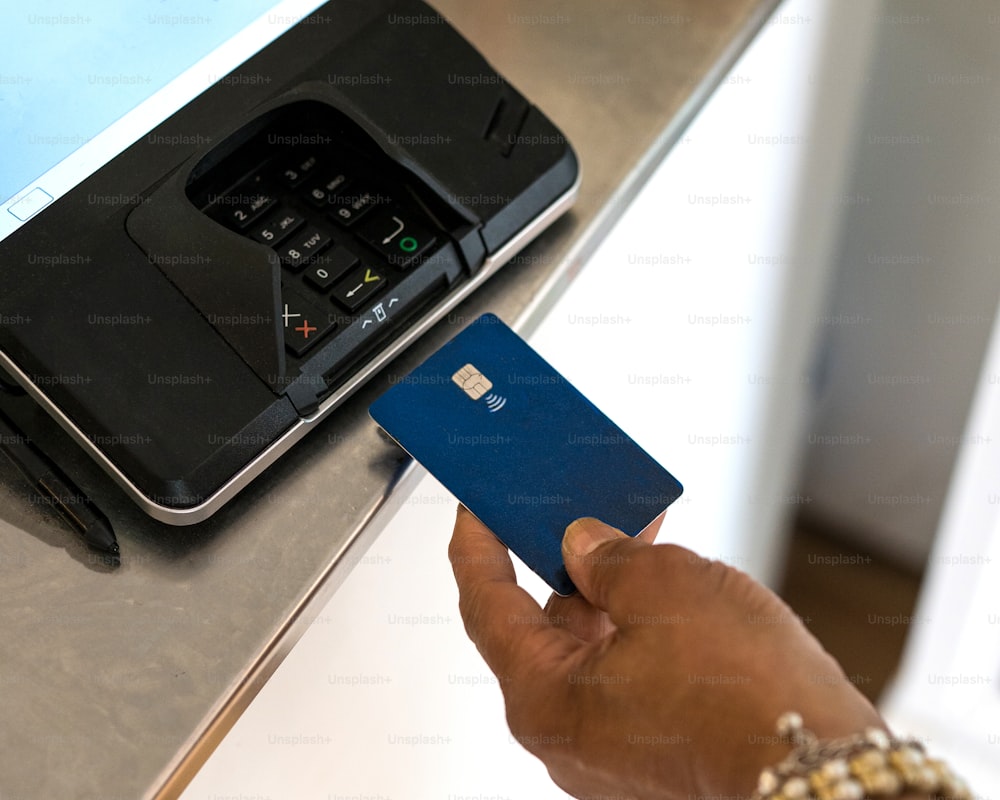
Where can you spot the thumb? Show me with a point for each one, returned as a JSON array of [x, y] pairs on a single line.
[[595, 554]]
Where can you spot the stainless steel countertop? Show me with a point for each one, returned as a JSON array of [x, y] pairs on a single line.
[[117, 684]]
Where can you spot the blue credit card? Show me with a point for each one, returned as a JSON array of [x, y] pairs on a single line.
[[521, 447]]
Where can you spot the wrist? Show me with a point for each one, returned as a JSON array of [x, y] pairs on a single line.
[[762, 746], [874, 764]]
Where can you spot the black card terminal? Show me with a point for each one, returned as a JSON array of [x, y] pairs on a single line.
[[280, 241]]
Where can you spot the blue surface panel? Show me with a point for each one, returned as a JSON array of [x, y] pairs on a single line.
[[68, 69]]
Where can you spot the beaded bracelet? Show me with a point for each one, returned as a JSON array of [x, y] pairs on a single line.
[[869, 765]]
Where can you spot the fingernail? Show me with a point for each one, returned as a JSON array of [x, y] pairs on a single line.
[[585, 535]]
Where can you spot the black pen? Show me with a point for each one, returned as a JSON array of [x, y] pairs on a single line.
[[53, 484]]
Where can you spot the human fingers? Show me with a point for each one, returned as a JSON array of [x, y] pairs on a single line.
[[598, 558], [510, 629], [576, 615], [581, 618]]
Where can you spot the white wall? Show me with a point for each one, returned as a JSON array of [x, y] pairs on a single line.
[[946, 691], [918, 277], [721, 273]]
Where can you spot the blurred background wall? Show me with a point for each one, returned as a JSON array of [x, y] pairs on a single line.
[[916, 278]]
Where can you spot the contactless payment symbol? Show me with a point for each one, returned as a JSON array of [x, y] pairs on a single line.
[[495, 402], [476, 386]]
